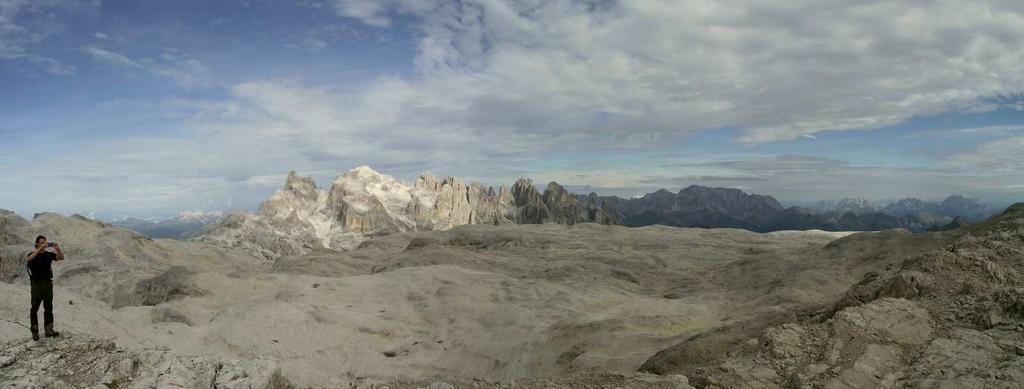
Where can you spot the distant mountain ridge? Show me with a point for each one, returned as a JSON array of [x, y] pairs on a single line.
[[362, 202], [972, 210], [850, 204], [697, 206], [184, 226]]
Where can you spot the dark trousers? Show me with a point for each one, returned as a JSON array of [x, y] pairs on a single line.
[[42, 292]]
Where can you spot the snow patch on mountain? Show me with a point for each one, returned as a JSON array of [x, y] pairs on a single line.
[[200, 216]]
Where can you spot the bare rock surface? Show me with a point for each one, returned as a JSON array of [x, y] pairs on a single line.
[[497, 303], [116, 265], [534, 306], [576, 381], [82, 362], [949, 317]]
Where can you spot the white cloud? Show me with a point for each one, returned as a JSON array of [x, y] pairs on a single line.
[[111, 57], [995, 130], [1003, 156], [318, 38], [641, 70], [980, 133], [184, 71], [267, 181], [367, 11]]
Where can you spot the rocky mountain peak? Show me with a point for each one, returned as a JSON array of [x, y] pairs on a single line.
[[970, 208], [199, 216], [505, 195], [297, 182], [700, 206], [428, 181], [362, 202], [955, 198], [911, 202], [555, 189], [730, 197], [850, 204], [358, 186], [964, 203], [524, 193], [910, 205], [563, 207], [363, 172], [296, 189]]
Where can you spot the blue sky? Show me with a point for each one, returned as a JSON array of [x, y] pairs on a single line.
[[151, 108]]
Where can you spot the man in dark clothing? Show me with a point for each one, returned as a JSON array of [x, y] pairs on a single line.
[[41, 274]]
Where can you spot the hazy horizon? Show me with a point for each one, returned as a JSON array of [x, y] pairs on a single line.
[[324, 183]]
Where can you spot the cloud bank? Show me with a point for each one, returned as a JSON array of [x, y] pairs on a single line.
[[635, 72]]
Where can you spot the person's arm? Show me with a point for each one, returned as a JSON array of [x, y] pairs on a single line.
[[35, 253], [60, 253]]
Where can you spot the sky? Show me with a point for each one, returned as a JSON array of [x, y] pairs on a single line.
[[150, 108]]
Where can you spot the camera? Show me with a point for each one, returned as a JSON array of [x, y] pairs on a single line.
[[49, 244]]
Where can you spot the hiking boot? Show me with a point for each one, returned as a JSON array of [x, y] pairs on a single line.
[[52, 334], [35, 336]]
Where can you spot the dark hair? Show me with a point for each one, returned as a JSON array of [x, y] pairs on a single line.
[[39, 237]]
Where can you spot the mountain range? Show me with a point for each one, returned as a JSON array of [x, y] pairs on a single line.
[[698, 206], [362, 203], [953, 206], [184, 226]]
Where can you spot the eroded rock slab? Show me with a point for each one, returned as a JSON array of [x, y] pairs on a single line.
[[76, 361]]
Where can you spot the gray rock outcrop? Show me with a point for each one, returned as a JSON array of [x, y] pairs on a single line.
[[557, 205], [113, 264], [943, 318], [82, 362]]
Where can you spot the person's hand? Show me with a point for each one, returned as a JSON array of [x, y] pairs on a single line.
[[56, 245]]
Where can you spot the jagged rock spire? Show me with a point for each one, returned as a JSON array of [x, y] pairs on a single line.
[[363, 201]]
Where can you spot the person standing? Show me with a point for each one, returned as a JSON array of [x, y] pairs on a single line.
[[41, 275]]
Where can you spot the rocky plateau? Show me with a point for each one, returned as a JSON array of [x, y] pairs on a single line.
[[439, 284]]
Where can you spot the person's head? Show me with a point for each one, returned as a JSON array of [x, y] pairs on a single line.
[[40, 241]]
